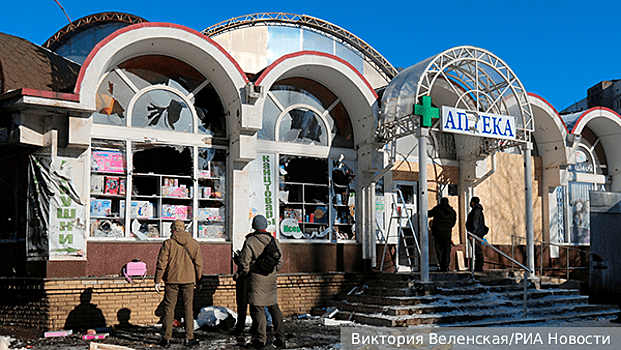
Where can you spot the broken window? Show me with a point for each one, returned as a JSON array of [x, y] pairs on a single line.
[[300, 110], [163, 93], [317, 198], [161, 187]]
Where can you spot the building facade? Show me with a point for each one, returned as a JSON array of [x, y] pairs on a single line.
[[117, 126]]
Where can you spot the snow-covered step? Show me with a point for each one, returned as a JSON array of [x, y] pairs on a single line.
[[459, 299]]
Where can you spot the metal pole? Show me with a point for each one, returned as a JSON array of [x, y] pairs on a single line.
[[423, 134], [373, 240], [541, 261], [525, 294], [528, 184]]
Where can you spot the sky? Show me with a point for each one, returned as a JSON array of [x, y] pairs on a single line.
[[558, 49]]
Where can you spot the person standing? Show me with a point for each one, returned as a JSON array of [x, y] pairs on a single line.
[[262, 289], [180, 266], [444, 218], [475, 224], [241, 299]]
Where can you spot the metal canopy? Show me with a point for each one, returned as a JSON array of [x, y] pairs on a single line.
[[464, 77], [370, 55]]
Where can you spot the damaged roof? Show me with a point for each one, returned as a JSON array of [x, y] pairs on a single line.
[[27, 65]]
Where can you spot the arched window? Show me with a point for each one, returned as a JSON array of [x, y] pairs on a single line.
[[299, 110], [159, 92], [168, 162]]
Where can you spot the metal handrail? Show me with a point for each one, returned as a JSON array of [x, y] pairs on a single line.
[[567, 268], [524, 280]]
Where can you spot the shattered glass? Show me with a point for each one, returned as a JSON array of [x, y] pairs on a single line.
[[162, 109], [112, 101]]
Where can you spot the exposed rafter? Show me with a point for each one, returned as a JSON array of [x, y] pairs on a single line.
[[369, 54], [85, 22]]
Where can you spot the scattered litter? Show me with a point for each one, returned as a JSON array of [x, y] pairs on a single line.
[[97, 346], [330, 312], [61, 333], [5, 342], [95, 336], [358, 290], [212, 316], [331, 322], [308, 317]]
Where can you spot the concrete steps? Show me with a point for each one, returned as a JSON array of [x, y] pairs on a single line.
[[458, 299]]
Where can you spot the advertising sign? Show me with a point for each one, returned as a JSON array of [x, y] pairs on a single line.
[[57, 217], [263, 177], [461, 121]]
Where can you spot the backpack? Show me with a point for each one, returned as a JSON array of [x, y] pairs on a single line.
[[267, 261]]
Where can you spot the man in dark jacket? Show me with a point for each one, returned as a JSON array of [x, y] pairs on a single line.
[[444, 218], [180, 266], [475, 224], [262, 289]]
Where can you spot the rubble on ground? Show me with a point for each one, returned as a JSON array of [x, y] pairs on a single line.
[[301, 333]]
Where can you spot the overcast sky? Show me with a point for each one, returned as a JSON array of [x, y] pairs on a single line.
[[558, 49]]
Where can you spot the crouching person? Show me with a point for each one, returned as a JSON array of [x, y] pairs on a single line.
[[261, 276]]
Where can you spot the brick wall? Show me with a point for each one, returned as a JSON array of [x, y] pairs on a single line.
[[92, 302]]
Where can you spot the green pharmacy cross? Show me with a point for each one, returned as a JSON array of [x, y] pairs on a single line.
[[426, 111]]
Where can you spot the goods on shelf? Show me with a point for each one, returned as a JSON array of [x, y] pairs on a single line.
[[180, 212], [101, 207], [210, 214], [138, 209], [108, 161]]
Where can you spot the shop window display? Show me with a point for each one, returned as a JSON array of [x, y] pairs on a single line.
[[163, 183], [211, 209], [317, 199], [108, 188]]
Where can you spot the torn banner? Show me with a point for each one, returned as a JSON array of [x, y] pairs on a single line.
[[56, 214]]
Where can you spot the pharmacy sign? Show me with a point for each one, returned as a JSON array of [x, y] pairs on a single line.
[[461, 121]]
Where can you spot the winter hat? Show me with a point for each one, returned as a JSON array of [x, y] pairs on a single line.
[[177, 226], [259, 222]]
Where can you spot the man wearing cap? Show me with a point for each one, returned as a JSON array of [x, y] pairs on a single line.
[[262, 290], [180, 266]]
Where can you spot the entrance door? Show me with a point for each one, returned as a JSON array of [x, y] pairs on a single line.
[[407, 200]]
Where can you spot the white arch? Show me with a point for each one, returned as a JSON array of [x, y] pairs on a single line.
[[606, 124], [550, 133], [176, 41], [338, 76]]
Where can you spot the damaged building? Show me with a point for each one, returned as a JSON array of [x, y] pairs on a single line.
[[117, 126]]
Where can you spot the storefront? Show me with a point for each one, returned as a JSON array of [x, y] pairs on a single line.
[[284, 115]]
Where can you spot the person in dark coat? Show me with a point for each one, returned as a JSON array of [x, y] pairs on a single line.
[[262, 290], [475, 224], [444, 218]]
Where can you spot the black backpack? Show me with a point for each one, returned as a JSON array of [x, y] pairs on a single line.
[[267, 261]]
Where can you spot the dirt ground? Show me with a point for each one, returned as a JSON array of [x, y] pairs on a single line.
[[301, 334]]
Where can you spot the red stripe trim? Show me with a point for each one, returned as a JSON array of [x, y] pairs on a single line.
[[43, 94], [593, 110], [117, 33], [549, 105], [313, 53]]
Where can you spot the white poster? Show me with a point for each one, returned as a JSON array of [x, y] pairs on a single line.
[[263, 179], [67, 231]]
